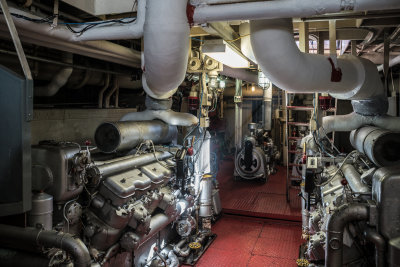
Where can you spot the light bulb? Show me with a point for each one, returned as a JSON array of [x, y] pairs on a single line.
[[253, 88]]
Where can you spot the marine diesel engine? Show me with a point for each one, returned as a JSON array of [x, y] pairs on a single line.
[[350, 212], [258, 156], [138, 204]]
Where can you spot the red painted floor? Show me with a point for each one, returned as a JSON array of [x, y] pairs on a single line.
[[272, 239], [252, 198], [251, 242]]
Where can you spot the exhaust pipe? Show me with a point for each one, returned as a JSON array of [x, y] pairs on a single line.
[[30, 238]]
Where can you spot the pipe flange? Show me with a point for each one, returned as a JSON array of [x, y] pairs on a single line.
[[158, 104], [371, 107]]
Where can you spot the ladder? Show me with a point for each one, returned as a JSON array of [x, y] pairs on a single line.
[[291, 179]]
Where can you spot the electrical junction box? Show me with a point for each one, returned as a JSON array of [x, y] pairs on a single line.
[[312, 162], [237, 99]]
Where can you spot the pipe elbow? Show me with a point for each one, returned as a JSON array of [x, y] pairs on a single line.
[[272, 41], [58, 81]]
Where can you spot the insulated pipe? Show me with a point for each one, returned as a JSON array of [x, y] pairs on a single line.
[[349, 122], [61, 38], [380, 246], [119, 136], [393, 62], [166, 46], [381, 146], [354, 179], [117, 31], [129, 162], [30, 238], [285, 9], [336, 224], [292, 70], [58, 80]]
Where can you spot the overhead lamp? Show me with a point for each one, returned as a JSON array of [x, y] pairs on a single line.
[[263, 81], [224, 53]]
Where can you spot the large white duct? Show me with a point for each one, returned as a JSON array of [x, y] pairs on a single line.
[[282, 62], [166, 46], [285, 9]]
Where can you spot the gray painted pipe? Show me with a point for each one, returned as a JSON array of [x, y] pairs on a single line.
[[30, 238], [381, 146], [125, 135], [354, 179], [335, 229], [128, 163], [380, 246]]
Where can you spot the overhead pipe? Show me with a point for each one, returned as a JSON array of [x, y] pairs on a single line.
[[166, 46], [115, 31], [393, 62], [43, 34], [58, 80], [349, 78], [285, 9], [30, 238], [335, 229]]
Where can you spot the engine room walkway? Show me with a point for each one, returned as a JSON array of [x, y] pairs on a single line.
[[264, 231], [249, 242], [253, 198]]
